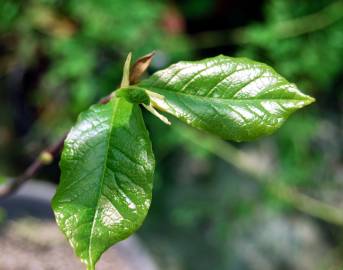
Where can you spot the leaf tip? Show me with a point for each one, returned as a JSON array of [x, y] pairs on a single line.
[[311, 100], [308, 100], [140, 66]]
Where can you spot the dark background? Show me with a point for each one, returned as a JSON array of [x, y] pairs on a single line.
[[209, 212]]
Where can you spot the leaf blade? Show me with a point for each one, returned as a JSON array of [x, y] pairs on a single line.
[[106, 183], [235, 98]]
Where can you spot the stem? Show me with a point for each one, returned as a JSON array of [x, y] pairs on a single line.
[[13, 185], [90, 267], [32, 169]]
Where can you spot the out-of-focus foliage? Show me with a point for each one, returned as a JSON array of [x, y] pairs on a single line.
[[78, 48], [2, 215], [298, 37], [216, 206], [304, 42], [57, 57]]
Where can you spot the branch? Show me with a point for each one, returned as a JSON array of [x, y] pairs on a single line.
[[43, 159]]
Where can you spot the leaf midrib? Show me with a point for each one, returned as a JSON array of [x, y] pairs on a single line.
[[90, 259], [306, 99]]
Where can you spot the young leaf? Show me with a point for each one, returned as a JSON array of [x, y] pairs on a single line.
[[139, 67], [106, 183], [125, 81], [235, 98]]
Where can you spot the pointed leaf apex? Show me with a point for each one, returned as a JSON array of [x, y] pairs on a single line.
[[140, 66], [125, 82]]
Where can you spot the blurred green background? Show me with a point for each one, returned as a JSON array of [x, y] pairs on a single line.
[[275, 203]]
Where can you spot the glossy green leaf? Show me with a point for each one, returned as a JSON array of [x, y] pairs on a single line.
[[235, 98], [106, 183]]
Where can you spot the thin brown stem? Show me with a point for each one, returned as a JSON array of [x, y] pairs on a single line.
[[14, 184]]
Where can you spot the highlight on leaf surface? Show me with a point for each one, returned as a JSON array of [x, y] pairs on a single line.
[[107, 174], [235, 98]]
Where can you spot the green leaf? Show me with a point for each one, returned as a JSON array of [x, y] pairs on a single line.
[[106, 183], [235, 98]]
